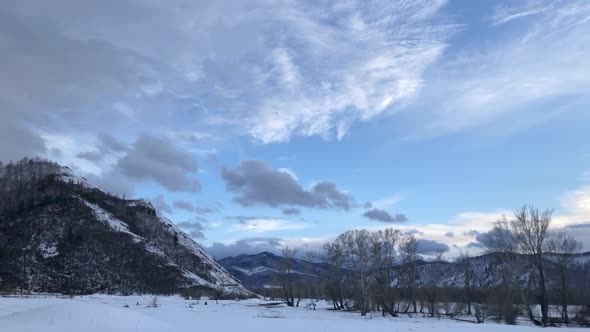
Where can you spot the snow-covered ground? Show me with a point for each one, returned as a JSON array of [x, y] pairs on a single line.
[[100, 313]]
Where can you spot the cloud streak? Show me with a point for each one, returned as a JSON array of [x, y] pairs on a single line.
[[507, 79], [384, 216], [264, 225], [188, 206]]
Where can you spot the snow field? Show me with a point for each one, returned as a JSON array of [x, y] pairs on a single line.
[[98, 313]]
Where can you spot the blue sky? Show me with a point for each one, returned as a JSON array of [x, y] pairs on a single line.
[[443, 115]]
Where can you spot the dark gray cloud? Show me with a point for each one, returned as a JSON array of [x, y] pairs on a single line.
[[182, 204], [450, 234], [412, 232], [199, 219], [112, 181], [368, 205], [66, 70], [291, 211], [581, 231], [149, 158], [430, 247], [160, 160], [579, 225], [58, 80], [500, 238], [188, 206], [159, 202], [254, 184], [17, 141], [495, 238], [55, 152], [248, 246], [384, 216], [471, 232], [109, 143], [197, 234], [93, 156], [194, 228]]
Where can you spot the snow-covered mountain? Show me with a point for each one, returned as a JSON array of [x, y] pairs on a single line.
[[264, 269], [60, 234], [487, 271]]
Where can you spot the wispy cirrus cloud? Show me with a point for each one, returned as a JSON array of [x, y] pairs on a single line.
[[506, 79], [372, 56], [275, 70]]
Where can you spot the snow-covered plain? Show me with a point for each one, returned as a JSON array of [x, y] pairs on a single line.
[[98, 313]]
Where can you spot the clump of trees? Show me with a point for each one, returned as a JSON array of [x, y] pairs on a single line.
[[287, 281], [382, 272], [363, 274], [527, 234]]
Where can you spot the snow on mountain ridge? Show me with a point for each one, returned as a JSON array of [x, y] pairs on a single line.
[[113, 222], [112, 244]]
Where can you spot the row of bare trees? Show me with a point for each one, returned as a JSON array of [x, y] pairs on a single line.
[[382, 272], [529, 234], [376, 271]]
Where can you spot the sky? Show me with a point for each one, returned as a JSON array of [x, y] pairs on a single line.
[[255, 125]]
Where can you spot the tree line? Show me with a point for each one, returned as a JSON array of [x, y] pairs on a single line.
[[382, 272]]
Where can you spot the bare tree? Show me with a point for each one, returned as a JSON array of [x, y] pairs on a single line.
[[526, 234], [310, 258], [431, 293], [361, 270], [287, 284], [481, 312], [357, 248], [466, 268], [384, 244], [408, 273], [564, 248], [334, 257]]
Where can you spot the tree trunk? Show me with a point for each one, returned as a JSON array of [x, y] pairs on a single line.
[[543, 297], [528, 309], [469, 301], [564, 300]]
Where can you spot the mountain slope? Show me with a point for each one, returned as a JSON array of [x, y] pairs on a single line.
[[263, 270], [60, 234], [488, 271]]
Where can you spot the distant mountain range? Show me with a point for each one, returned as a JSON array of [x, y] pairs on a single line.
[[264, 270], [60, 234]]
